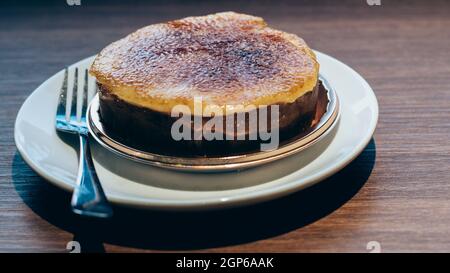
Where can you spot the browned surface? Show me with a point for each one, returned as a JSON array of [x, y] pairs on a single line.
[[226, 58], [397, 192]]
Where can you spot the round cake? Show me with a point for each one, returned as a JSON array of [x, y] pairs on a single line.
[[219, 61]]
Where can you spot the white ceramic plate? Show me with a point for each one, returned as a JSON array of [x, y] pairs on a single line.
[[135, 184]]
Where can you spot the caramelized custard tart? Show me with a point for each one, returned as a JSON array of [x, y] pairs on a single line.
[[224, 59]]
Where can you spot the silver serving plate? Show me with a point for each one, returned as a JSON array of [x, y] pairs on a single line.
[[220, 163]]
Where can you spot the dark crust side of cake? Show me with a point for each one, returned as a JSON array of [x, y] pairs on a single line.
[[145, 129]]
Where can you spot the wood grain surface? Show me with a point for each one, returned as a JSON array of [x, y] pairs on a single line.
[[397, 192]]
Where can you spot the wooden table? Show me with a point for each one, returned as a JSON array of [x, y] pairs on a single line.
[[397, 192]]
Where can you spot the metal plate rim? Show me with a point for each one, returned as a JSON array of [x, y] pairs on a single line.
[[226, 163]]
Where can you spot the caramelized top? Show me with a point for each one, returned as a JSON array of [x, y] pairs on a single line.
[[224, 58]]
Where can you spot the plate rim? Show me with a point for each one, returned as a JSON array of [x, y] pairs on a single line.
[[214, 202]]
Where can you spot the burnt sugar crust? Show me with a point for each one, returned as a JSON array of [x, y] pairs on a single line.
[[226, 58]]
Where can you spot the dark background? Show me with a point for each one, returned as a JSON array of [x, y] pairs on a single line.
[[397, 192]]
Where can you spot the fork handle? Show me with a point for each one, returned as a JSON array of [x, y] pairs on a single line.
[[88, 197]]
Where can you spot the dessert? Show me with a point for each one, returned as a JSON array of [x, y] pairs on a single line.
[[225, 59]]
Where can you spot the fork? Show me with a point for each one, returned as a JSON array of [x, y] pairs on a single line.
[[88, 196]]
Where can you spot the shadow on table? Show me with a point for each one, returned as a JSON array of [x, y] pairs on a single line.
[[195, 230]]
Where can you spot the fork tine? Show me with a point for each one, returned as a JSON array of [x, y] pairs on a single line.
[[73, 107], [85, 95], [62, 101]]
